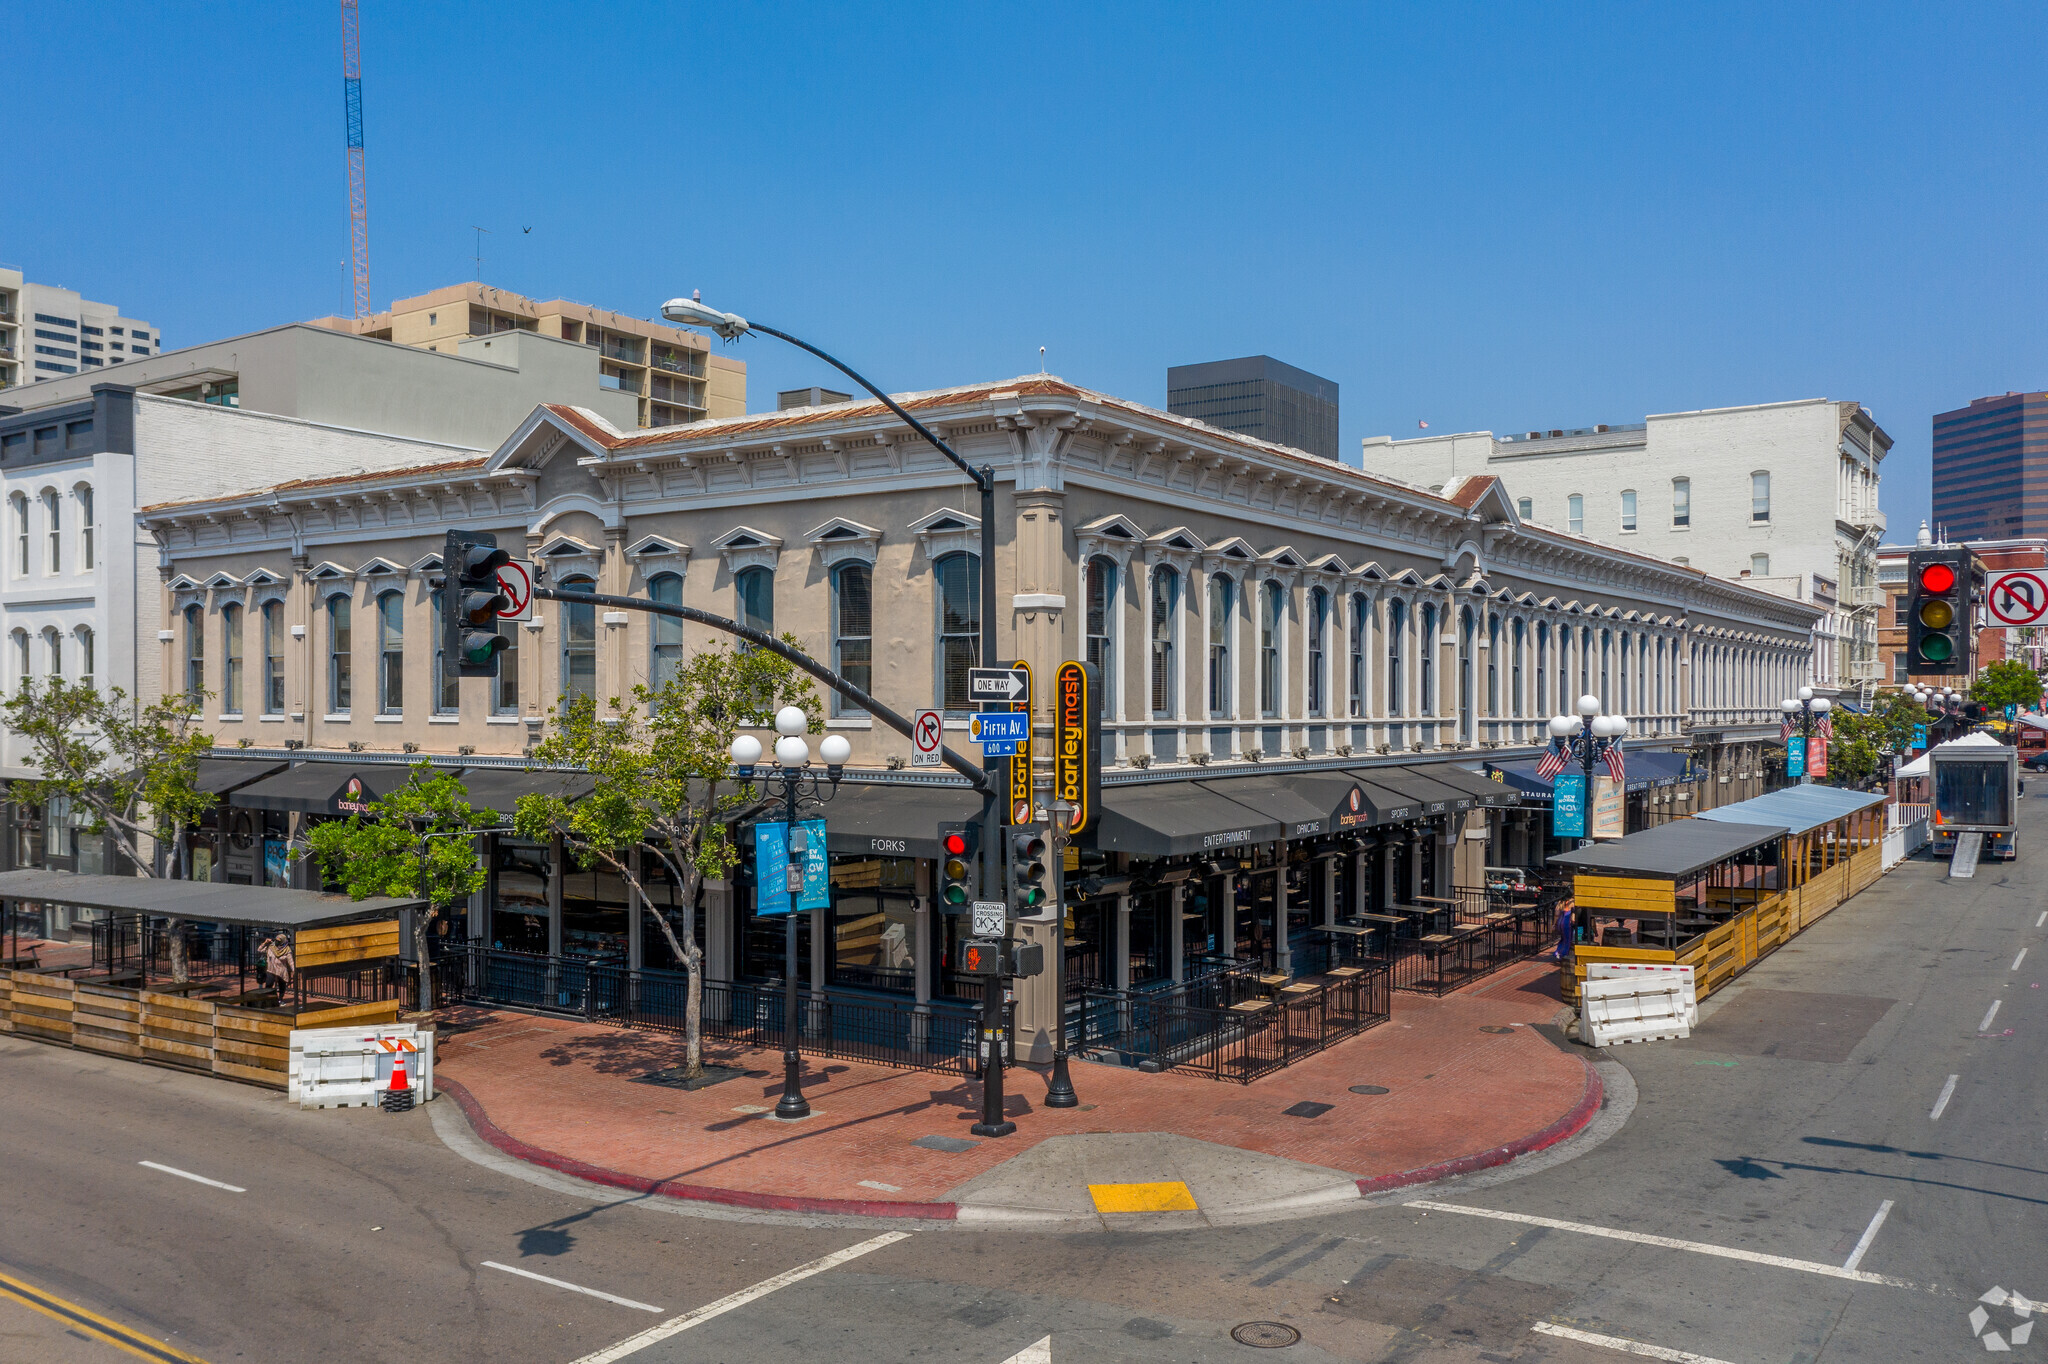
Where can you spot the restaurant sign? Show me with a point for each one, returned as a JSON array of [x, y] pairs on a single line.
[[352, 799]]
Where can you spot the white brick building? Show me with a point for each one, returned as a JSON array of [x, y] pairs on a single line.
[[1782, 496]]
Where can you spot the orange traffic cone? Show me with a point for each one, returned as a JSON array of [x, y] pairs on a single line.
[[398, 1080], [398, 1098]]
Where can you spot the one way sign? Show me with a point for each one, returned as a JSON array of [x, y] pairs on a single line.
[[998, 684]]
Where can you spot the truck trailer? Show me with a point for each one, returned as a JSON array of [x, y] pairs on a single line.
[[1974, 799]]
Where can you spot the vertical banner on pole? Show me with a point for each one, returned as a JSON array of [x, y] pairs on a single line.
[[1817, 756], [1568, 806], [1610, 808], [817, 891], [1795, 756], [771, 869]]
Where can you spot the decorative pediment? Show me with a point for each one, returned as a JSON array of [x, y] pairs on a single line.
[[1282, 556], [1407, 577], [1371, 570], [1329, 563], [656, 547], [842, 541], [378, 567], [425, 564], [220, 581], [1179, 540], [1550, 604], [947, 531], [1236, 549], [567, 549], [185, 582], [1440, 581], [745, 547], [1113, 528], [329, 571], [262, 577]]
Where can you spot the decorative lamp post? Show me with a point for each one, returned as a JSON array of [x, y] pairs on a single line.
[[792, 757], [1588, 738], [1808, 708]]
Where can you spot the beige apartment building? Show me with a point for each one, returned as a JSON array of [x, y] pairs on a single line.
[[1323, 687], [672, 373]]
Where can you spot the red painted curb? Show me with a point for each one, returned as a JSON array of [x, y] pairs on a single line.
[[1567, 1126], [669, 1188]]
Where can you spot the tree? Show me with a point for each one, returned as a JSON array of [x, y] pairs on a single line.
[[414, 844], [1861, 741], [2007, 683], [663, 788], [134, 769]]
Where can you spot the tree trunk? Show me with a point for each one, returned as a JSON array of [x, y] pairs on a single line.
[[693, 1015], [181, 967], [420, 924]]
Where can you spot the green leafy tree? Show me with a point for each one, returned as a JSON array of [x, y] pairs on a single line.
[[663, 788], [1856, 756], [414, 843], [2007, 683], [133, 769]]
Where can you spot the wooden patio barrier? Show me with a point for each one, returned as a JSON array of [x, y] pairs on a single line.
[[199, 1035]]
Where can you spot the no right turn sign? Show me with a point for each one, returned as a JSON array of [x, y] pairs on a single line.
[[926, 734]]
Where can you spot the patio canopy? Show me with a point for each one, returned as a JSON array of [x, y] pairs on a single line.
[[1677, 851], [1798, 808], [214, 902], [1919, 766]]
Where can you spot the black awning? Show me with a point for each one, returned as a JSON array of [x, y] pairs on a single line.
[[1429, 797], [1296, 800], [498, 789], [893, 821], [1521, 775], [222, 775], [1170, 819], [206, 901], [1483, 789], [323, 788], [1673, 852]]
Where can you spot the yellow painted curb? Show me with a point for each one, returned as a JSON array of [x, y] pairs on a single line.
[[1171, 1196]]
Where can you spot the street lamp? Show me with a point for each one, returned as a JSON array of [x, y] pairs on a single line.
[[792, 757], [1808, 708], [1587, 737]]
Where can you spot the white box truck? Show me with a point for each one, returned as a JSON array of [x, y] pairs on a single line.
[[1974, 790]]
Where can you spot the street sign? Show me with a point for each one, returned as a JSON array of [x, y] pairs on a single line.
[[1568, 806], [991, 918], [515, 580], [1077, 743], [1795, 756], [999, 684], [1001, 748], [926, 738], [2017, 598], [999, 726]]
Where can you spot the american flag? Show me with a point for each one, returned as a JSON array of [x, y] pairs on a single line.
[[1785, 730], [1553, 760], [1616, 767], [1824, 728]]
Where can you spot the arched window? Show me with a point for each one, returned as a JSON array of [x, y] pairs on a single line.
[[87, 550], [959, 582], [853, 628], [756, 590], [1493, 665], [1575, 513], [1101, 622], [1759, 497], [86, 657], [1628, 510], [1623, 708], [1361, 630], [1428, 702], [1606, 670], [1272, 601], [231, 659], [1318, 649], [1542, 706], [1515, 681], [20, 501], [1660, 676], [1467, 629], [273, 658], [195, 656], [1222, 629], [1585, 660], [579, 636], [53, 653], [391, 653], [53, 528], [340, 654], [447, 680], [1165, 617], [21, 664], [1397, 625], [666, 663], [1681, 503]]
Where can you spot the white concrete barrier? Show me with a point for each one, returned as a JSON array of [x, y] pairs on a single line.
[[1641, 1008], [1635, 970], [345, 1067]]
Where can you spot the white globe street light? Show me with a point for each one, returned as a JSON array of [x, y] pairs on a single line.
[[1806, 693], [745, 752], [791, 753], [1789, 706], [835, 750], [791, 720], [1561, 725], [1589, 704], [1822, 705]]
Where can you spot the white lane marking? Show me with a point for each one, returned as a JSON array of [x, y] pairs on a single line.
[[1668, 1243], [1989, 1014], [1038, 1353], [572, 1287], [2042, 920], [2020, 958], [696, 1317], [1884, 1210], [187, 1174], [1947, 1091], [1634, 1347]]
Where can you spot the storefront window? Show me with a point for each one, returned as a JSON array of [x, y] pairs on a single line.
[[519, 909], [874, 930]]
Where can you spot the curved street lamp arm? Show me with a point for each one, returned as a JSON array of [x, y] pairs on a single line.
[[764, 640]]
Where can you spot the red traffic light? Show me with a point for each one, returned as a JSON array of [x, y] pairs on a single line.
[[956, 845], [1937, 578]]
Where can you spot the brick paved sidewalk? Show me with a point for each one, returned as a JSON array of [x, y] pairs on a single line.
[[566, 1092]]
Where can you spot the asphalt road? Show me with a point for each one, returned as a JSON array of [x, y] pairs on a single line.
[[1714, 1225]]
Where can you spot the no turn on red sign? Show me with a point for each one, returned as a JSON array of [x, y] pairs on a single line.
[[925, 739], [2019, 597]]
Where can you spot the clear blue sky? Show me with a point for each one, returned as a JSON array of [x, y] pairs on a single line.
[[1485, 216]]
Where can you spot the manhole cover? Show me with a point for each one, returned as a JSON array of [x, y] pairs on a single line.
[[1308, 1108], [1495, 1027], [1265, 1335], [1370, 1089]]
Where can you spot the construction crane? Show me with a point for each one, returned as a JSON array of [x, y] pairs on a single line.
[[358, 194]]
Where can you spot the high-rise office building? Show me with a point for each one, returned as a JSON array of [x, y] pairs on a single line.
[[1991, 468], [1260, 397], [47, 332]]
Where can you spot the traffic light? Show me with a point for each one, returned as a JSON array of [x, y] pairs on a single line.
[[471, 601], [958, 883], [1939, 584], [1027, 868]]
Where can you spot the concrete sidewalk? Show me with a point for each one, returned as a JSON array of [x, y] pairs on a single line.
[[1469, 1081]]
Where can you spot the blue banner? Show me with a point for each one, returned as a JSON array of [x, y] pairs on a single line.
[[771, 868], [1568, 805], [1919, 736], [1795, 756]]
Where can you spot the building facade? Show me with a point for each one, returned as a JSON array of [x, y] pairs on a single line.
[[671, 375], [47, 332], [1294, 655], [1741, 493], [1260, 397], [1991, 469]]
